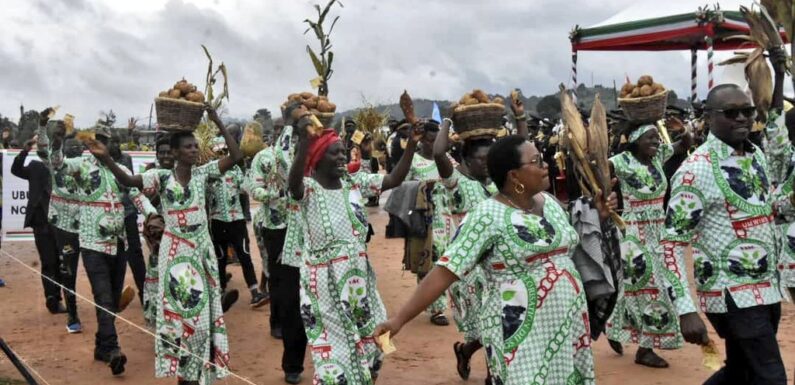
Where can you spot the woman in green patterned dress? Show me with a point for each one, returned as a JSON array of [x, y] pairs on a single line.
[[340, 304], [192, 340], [644, 313], [534, 318]]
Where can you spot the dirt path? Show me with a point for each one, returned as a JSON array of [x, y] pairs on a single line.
[[424, 353]]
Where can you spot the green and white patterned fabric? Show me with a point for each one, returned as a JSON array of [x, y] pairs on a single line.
[[64, 211], [781, 157], [340, 304], [534, 319], [644, 313], [266, 181], [722, 206], [467, 294], [101, 207], [189, 315], [225, 196]]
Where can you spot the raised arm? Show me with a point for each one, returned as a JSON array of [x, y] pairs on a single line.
[[101, 153], [295, 179], [440, 145], [778, 58], [235, 155], [18, 167], [398, 174], [521, 118]]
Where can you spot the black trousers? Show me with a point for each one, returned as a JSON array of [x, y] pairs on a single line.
[[49, 257], [106, 274], [135, 255], [235, 234], [69, 246], [285, 286], [752, 353]]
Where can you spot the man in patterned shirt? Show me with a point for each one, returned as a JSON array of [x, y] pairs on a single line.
[[63, 214], [102, 240], [266, 183], [721, 206]]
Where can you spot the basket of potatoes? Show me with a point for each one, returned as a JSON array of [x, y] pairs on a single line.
[[180, 108], [319, 106], [644, 102], [477, 115]]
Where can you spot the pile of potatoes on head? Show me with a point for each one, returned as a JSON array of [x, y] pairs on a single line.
[[184, 91], [478, 97], [315, 104], [645, 87]]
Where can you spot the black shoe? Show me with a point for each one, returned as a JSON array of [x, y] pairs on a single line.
[[292, 378], [258, 299], [101, 356], [117, 361], [277, 333], [228, 299], [55, 306]]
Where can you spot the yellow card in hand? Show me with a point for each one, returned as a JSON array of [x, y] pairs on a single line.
[[385, 344], [357, 137], [711, 358]]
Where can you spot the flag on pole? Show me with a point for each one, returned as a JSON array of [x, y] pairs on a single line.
[[436, 114]]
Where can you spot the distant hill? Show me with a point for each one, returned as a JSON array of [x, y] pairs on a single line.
[[547, 106]]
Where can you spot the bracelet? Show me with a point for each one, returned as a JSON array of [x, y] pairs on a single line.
[[448, 120], [521, 117]]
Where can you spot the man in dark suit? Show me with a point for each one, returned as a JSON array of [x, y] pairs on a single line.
[[39, 188]]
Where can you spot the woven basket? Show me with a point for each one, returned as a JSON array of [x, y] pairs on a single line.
[[481, 119], [479, 133], [178, 115], [646, 109], [325, 117]]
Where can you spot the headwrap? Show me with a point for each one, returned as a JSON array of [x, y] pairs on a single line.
[[218, 144], [318, 148], [635, 135]]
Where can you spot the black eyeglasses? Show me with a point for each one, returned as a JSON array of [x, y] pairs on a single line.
[[733, 113]]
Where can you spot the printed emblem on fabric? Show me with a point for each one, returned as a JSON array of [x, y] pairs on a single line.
[[331, 372], [658, 317], [353, 295], [747, 260], [637, 264], [518, 298], [186, 286], [313, 322]]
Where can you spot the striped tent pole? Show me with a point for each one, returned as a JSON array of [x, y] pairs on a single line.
[[693, 75], [710, 62], [574, 75]]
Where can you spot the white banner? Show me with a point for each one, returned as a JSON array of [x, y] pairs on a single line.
[[15, 192]]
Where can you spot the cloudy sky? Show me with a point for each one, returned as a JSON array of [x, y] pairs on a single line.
[[94, 55]]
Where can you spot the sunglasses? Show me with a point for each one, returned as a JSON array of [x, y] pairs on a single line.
[[733, 113]]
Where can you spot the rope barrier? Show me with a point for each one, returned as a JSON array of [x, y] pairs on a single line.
[[133, 324]]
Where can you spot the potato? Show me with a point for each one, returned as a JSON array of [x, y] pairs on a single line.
[[469, 100], [195, 97], [645, 80], [321, 97], [657, 88], [635, 92], [306, 95], [498, 100], [480, 96], [332, 107], [174, 93], [183, 86], [323, 106], [627, 88], [646, 90], [163, 94], [293, 97], [311, 103]]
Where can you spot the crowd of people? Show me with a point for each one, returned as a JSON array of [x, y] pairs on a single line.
[[487, 233]]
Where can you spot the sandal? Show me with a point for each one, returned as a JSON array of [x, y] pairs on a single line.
[[462, 361], [439, 319], [648, 357], [616, 346]]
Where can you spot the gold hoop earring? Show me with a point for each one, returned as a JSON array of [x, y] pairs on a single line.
[[518, 188]]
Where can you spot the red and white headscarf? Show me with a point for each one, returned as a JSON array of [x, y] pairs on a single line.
[[318, 147]]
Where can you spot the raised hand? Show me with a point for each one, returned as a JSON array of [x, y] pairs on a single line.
[[99, 150]]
